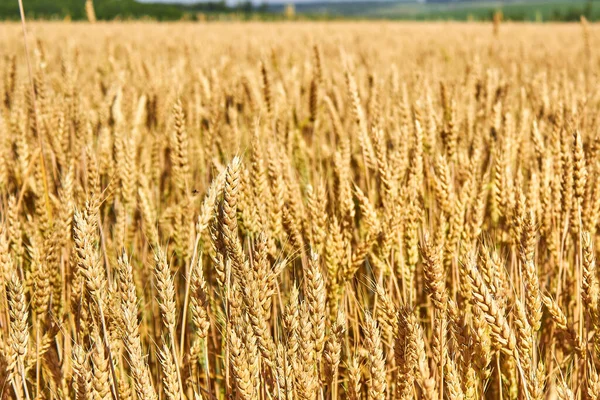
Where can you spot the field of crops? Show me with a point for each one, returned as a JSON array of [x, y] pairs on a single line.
[[542, 10], [513, 10], [299, 211]]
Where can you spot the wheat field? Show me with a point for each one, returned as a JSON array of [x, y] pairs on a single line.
[[351, 210]]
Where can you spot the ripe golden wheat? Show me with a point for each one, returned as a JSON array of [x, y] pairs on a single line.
[[299, 211]]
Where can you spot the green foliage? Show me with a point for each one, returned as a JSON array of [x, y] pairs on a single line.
[[128, 9], [43, 9], [131, 9], [105, 9], [536, 10]]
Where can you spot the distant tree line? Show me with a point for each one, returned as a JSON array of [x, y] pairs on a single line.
[[123, 9], [321, 9], [221, 6]]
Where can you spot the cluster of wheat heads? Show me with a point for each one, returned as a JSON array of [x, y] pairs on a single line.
[[299, 211]]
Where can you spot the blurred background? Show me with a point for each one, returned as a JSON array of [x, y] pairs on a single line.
[[195, 10]]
